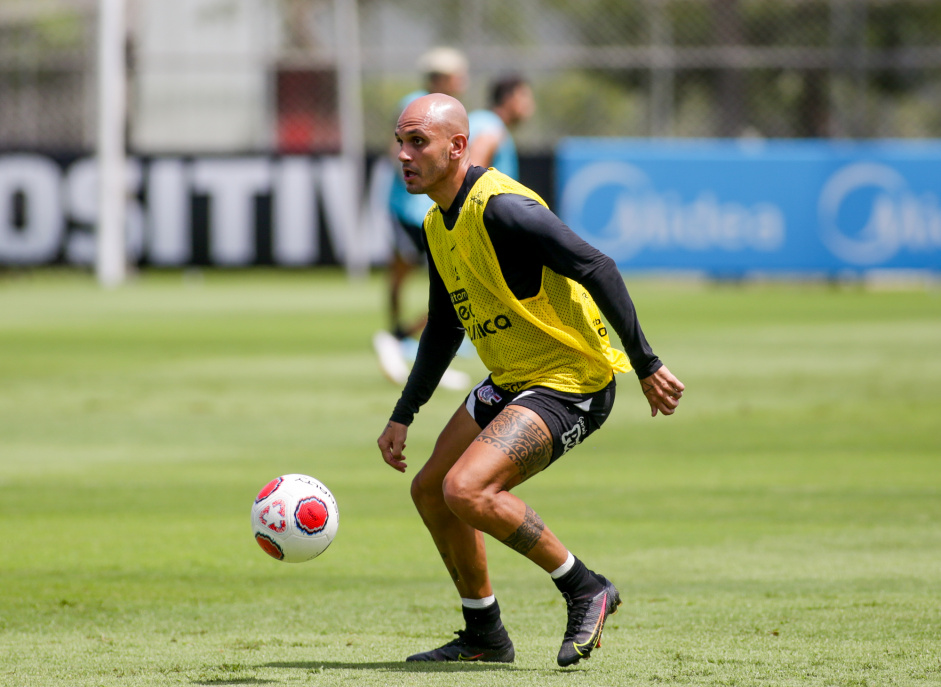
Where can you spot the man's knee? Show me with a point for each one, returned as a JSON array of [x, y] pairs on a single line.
[[427, 493], [465, 496]]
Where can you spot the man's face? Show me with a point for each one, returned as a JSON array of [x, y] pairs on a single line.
[[424, 153], [522, 104]]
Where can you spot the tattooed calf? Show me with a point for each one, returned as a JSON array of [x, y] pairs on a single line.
[[526, 535]]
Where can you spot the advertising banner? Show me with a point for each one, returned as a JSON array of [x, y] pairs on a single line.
[[730, 208], [227, 211]]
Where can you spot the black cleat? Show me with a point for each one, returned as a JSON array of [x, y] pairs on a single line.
[[586, 618], [469, 647]]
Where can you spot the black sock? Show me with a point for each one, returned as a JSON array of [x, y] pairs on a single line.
[[579, 581], [483, 621]]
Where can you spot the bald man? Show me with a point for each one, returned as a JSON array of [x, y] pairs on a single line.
[[530, 295]]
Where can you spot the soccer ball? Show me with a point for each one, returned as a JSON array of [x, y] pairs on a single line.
[[294, 518]]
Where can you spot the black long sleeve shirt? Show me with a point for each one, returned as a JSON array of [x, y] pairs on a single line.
[[526, 236]]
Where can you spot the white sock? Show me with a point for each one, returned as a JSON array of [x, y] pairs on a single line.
[[478, 603], [564, 568]]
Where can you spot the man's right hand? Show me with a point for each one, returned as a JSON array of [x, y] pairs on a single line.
[[392, 443]]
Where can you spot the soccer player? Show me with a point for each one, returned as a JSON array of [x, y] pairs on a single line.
[[490, 136], [527, 291]]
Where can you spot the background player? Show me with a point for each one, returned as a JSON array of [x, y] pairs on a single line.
[[444, 70], [490, 138]]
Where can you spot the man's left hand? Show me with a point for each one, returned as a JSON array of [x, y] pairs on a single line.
[[663, 391]]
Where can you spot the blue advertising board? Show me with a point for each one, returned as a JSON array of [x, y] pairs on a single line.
[[730, 208]]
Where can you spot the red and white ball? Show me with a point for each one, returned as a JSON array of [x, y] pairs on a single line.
[[294, 518]]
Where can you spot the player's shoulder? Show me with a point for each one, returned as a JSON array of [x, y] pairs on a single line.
[[484, 120], [512, 210], [483, 114], [502, 184]]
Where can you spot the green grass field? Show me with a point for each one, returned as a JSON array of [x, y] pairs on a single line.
[[784, 528]]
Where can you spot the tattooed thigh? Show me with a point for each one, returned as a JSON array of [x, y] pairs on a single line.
[[521, 439], [526, 535]]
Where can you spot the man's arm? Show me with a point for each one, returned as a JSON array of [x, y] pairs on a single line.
[[484, 147], [521, 226], [487, 131], [439, 342]]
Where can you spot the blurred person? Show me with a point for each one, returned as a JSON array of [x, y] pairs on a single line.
[[530, 293], [444, 70], [491, 141]]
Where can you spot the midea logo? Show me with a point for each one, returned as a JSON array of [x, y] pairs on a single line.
[[868, 214], [644, 218]]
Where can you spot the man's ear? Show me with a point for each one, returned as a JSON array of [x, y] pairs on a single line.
[[458, 146]]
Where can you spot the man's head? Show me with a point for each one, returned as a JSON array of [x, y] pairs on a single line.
[[445, 71], [432, 135], [512, 98]]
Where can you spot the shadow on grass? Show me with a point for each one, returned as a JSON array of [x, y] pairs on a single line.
[[234, 681], [400, 666]]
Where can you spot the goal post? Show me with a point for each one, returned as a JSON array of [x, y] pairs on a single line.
[[352, 143], [110, 252]]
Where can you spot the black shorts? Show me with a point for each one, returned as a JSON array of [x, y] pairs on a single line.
[[569, 417], [407, 240]]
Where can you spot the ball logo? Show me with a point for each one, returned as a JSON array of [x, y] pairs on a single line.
[[273, 516], [269, 489], [311, 515]]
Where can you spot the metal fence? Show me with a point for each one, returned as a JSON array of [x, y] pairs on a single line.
[[47, 80], [261, 75]]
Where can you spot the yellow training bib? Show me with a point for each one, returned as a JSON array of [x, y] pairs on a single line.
[[554, 339]]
